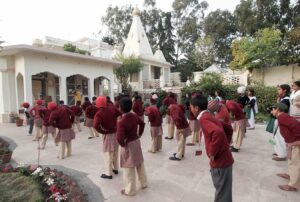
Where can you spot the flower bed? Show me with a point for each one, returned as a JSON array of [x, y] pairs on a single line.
[[55, 185]]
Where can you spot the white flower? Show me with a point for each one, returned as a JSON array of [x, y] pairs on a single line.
[[50, 181], [52, 174], [37, 171], [41, 174]]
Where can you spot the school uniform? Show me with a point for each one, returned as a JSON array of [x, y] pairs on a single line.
[[239, 124], [105, 122], [222, 114], [194, 126], [137, 108], [129, 129], [156, 130], [182, 128], [216, 144], [47, 128], [29, 120], [290, 130], [171, 127], [280, 147], [252, 104], [77, 110], [63, 118], [90, 113], [38, 122], [294, 110]]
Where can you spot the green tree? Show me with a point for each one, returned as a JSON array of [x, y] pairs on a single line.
[[204, 54], [188, 19], [220, 26], [262, 50], [131, 65], [118, 21], [293, 45], [296, 14], [69, 47], [109, 40], [245, 16]]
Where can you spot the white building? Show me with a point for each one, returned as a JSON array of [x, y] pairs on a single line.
[[29, 72], [156, 71]]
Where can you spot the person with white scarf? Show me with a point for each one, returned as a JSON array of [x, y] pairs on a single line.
[[252, 105], [295, 100]]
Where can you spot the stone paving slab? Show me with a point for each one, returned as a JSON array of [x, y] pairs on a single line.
[[254, 172]]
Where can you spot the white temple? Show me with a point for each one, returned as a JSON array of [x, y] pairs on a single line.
[[156, 71]]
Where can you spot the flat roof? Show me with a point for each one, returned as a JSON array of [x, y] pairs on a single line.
[[15, 49]]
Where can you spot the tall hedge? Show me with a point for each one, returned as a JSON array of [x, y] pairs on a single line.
[[211, 82]]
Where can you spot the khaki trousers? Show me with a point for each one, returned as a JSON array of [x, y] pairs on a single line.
[[78, 126], [294, 167], [195, 137], [38, 132], [93, 132], [65, 148], [237, 137], [181, 146], [111, 161], [130, 179], [156, 143], [171, 129], [45, 138]]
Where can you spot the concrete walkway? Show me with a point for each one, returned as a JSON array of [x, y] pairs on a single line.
[[189, 180]]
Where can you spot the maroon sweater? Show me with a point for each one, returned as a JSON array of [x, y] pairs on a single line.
[[235, 109], [168, 101], [129, 128], [137, 107], [45, 115], [77, 110], [34, 111], [91, 111], [154, 116], [105, 121], [216, 142], [85, 105], [177, 114], [61, 118], [289, 127]]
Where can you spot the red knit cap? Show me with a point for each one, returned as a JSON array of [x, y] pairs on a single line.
[[52, 105], [101, 101], [213, 105], [39, 102], [25, 105]]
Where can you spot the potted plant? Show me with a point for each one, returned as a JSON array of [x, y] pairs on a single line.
[[5, 155], [19, 121]]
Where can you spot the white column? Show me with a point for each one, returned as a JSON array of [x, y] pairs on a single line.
[[63, 89], [28, 89], [149, 75], [162, 77], [91, 88], [111, 89]]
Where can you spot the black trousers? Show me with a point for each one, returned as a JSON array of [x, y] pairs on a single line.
[[31, 123], [222, 180]]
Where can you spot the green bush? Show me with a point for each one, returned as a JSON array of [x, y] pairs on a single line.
[[266, 96]]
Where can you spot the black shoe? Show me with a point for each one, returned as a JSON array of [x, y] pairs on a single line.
[[173, 158], [90, 137], [115, 172], [174, 154], [169, 138], [232, 149], [106, 176]]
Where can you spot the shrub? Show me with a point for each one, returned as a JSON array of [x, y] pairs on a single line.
[[266, 96]]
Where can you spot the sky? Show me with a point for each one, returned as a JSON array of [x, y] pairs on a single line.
[[21, 21]]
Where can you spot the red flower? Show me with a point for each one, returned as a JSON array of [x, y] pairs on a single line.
[[62, 191], [53, 189]]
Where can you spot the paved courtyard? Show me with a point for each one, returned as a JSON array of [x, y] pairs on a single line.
[[254, 173]]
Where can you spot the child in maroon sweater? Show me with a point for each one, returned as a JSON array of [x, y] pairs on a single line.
[[90, 113], [290, 130], [155, 128], [182, 132], [77, 110], [129, 130], [47, 128], [105, 122], [217, 149]]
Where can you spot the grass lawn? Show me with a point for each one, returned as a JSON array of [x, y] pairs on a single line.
[[16, 187]]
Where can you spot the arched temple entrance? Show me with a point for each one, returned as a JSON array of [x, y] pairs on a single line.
[[45, 86], [102, 86], [77, 84]]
